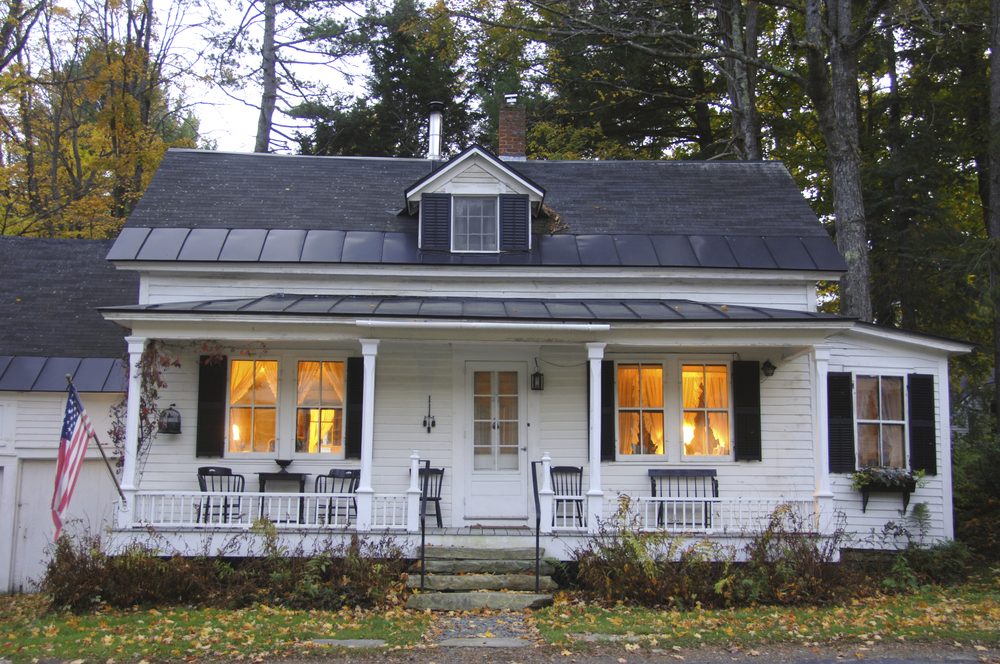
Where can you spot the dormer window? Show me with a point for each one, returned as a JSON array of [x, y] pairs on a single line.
[[475, 224]]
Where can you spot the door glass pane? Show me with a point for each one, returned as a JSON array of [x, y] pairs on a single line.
[[508, 433], [868, 452], [507, 459], [482, 458], [507, 382], [483, 408], [628, 386], [508, 408], [892, 398], [482, 431], [481, 382], [867, 401]]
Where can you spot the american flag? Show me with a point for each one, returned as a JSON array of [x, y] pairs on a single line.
[[76, 433]]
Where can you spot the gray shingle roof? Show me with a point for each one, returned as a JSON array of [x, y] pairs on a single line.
[[49, 323], [458, 308], [235, 203]]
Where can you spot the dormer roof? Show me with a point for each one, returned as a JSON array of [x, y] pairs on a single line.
[[475, 170]]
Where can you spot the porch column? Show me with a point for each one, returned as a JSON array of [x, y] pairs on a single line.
[[822, 496], [365, 493], [136, 346], [595, 497]]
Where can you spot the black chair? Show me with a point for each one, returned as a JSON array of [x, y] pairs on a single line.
[[219, 479], [338, 480], [567, 481], [434, 479], [684, 483]]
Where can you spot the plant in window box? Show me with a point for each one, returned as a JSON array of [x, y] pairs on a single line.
[[883, 479]]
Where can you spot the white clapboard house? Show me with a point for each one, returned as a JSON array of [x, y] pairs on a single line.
[[597, 329]]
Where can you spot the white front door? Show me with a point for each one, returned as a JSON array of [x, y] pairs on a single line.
[[496, 442]]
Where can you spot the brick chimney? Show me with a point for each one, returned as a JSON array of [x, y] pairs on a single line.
[[513, 140]]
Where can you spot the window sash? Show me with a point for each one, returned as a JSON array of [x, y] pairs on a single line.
[[640, 409], [253, 401], [319, 414], [705, 403], [475, 224], [880, 437]]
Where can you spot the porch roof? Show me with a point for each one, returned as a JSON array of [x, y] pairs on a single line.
[[485, 309]]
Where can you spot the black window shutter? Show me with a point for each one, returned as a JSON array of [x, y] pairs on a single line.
[[355, 406], [515, 222], [210, 437], [607, 410], [435, 221], [923, 432], [840, 421], [746, 411]]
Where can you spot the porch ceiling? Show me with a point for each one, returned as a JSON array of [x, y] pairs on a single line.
[[476, 309]]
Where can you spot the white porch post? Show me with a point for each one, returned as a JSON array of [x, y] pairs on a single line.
[[595, 497], [546, 496], [369, 349], [413, 495], [823, 496], [136, 345]]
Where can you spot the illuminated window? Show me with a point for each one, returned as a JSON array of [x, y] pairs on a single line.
[[881, 422], [253, 400], [640, 409], [319, 417], [475, 226], [706, 409]]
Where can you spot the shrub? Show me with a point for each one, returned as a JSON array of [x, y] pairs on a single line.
[[82, 576]]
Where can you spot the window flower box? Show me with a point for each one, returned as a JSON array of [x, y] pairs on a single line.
[[871, 480]]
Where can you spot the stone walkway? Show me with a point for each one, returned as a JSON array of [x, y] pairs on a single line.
[[486, 629]]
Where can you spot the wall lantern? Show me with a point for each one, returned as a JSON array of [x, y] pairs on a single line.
[[170, 420], [537, 379], [768, 368]]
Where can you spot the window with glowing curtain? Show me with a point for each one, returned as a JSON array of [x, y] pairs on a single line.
[[706, 409], [319, 416], [253, 401], [640, 409]]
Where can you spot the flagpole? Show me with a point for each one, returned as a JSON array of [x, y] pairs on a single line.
[[100, 448]]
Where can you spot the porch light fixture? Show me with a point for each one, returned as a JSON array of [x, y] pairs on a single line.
[[170, 421], [537, 379], [767, 368]]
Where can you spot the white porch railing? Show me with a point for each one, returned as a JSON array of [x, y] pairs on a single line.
[[569, 513], [239, 510], [730, 516]]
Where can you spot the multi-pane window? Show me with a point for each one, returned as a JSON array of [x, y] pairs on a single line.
[[474, 223], [319, 415], [253, 401], [881, 421], [640, 409], [706, 409], [495, 420]]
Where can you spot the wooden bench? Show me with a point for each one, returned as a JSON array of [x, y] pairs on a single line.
[[684, 483]]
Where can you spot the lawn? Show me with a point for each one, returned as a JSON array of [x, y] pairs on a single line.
[[968, 614]]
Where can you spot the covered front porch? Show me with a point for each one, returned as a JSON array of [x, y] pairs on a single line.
[[461, 394]]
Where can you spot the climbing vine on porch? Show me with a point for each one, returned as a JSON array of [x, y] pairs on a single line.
[[151, 366]]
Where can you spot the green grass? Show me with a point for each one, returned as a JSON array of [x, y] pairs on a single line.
[[968, 614], [27, 632]]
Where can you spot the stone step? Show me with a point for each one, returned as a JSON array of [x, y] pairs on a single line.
[[485, 567], [509, 601], [476, 553], [467, 582]]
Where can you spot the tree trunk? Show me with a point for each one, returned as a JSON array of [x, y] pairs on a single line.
[[834, 93], [738, 26], [993, 212], [269, 96]]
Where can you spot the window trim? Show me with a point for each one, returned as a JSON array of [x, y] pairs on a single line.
[[904, 395], [451, 225]]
